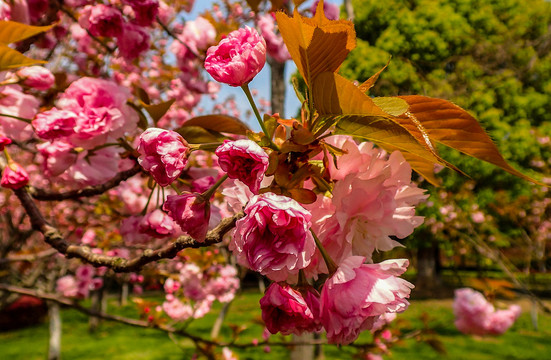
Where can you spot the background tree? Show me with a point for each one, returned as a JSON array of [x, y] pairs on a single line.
[[491, 57]]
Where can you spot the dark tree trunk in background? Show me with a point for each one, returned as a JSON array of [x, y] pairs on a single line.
[[278, 87], [428, 281]]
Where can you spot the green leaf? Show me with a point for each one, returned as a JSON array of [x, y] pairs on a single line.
[[11, 59], [11, 31], [157, 111], [219, 123], [391, 105], [199, 135]]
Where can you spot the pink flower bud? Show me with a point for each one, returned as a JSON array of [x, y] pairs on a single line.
[[133, 41], [163, 153], [14, 176], [191, 212], [285, 310], [243, 160], [101, 20], [37, 77], [274, 237], [4, 141], [237, 58], [54, 123]]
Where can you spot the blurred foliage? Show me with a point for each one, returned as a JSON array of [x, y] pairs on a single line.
[[491, 57]]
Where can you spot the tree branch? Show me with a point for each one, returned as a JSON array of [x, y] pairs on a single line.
[[40, 194], [55, 239], [144, 324]]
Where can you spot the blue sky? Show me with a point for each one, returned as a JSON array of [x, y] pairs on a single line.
[[261, 82]]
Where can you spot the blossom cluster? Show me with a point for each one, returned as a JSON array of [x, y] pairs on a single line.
[[475, 315], [193, 292]]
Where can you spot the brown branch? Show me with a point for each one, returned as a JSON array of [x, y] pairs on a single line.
[[43, 195], [29, 257], [55, 239], [144, 324]]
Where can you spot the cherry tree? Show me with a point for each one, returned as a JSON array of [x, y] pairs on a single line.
[[111, 168]]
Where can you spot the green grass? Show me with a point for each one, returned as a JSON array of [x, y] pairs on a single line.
[[117, 341]]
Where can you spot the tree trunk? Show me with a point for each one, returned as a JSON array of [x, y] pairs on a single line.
[[219, 320], [303, 352], [96, 305], [124, 293], [277, 96], [54, 348], [428, 277], [349, 9]]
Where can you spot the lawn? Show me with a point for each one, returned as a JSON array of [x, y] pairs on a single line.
[[116, 341]]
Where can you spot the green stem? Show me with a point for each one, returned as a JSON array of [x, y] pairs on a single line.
[[257, 114], [207, 194], [28, 121], [331, 266], [175, 189], [253, 105], [144, 211]]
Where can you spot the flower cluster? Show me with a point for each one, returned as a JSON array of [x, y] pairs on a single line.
[[193, 292], [475, 315]]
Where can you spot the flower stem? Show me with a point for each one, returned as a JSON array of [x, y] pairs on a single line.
[[144, 211], [207, 194], [257, 114], [175, 189], [253, 105], [331, 266], [28, 121]]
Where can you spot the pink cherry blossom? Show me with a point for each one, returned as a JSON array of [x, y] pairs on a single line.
[[5, 11], [475, 315], [14, 176], [4, 141], [133, 41], [285, 310], [224, 284], [331, 10], [54, 123], [67, 286], [191, 212], [16, 103], [274, 238], [163, 153], [157, 224], [357, 294], [94, 168], [37, 77], [177, 310], [58, 156], [197, 35], [244, 160], [101, 20], [129, 230], [237, 58], [373, 199], [275, 46], [145, 11]]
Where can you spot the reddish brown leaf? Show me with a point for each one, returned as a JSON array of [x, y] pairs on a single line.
[[450, 125]]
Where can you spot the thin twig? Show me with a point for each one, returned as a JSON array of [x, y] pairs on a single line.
[[43, 195]]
